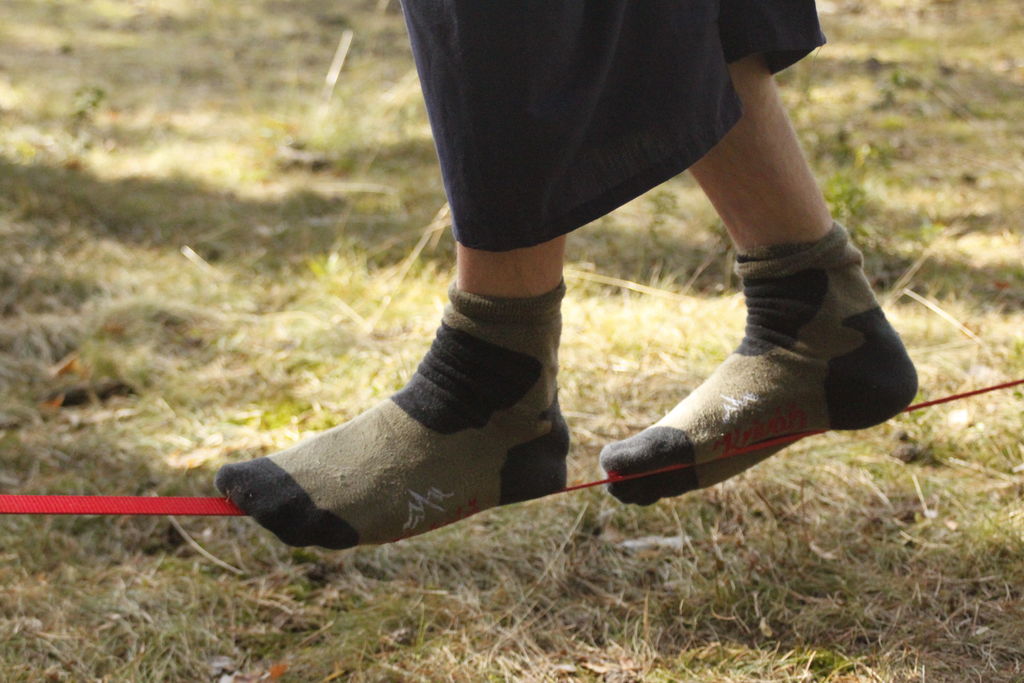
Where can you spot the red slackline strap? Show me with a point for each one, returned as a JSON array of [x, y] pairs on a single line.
[[159, 505], [116, 505]]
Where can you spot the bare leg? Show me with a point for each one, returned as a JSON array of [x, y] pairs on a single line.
[[757, 176], [518, 273]]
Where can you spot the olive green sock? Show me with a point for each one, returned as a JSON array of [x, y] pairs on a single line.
[[818, 353], [477, 426]]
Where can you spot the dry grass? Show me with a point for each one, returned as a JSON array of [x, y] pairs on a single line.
[[179, 213]]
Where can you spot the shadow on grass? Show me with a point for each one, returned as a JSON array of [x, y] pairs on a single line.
[[276, 235], [172, 213]]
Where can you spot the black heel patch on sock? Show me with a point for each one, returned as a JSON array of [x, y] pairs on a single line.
[[778, 307], [270, 495], [463, 380], [537, 468], [873, 382]]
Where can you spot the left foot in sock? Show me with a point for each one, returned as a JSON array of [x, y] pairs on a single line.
[[477, 426], [817, 354]]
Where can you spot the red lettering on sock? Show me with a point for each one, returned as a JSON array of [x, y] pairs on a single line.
[[783, 422]]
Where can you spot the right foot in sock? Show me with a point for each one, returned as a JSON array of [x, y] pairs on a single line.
[[477, 426], [818, 354]]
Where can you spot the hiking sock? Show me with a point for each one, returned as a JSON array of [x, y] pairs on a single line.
[[478, 425], [818, 353]]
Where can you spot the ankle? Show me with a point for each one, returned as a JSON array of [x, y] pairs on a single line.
[[832, 250], [519, 273]]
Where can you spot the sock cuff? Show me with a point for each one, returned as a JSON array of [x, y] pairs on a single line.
[[781, 260], [534, 309]]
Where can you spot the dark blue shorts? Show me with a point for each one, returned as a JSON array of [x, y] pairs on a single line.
[[548, 114]]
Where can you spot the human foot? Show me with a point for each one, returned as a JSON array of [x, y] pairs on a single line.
[[817, 354], [477, 426]]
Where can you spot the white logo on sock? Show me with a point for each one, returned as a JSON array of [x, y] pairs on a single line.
[[731, 405], [418, 504]]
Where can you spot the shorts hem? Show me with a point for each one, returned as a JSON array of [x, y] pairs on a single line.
[[651, 176], [778, 57]]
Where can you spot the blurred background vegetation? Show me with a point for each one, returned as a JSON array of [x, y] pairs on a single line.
[[212, 247]]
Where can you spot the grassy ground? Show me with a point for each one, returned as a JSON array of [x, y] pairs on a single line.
[[208, 256]]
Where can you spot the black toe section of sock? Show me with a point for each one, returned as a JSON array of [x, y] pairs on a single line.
[[537, 468], [874, 381], [274, 499], [651, 449]]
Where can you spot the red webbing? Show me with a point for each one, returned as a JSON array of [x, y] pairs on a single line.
[[156, 505], [116, 505]]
